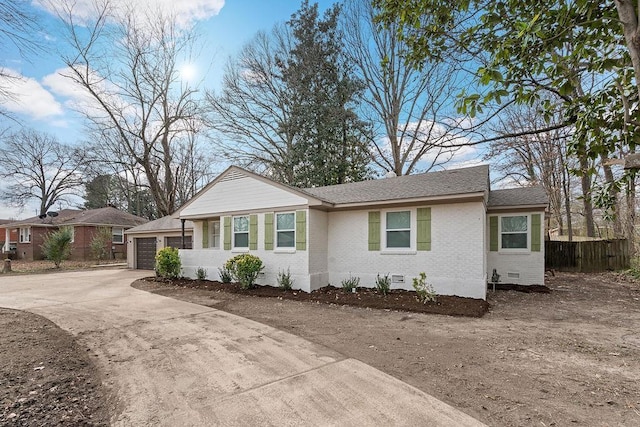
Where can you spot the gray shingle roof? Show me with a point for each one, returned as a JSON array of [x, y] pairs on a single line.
[[101, 216], [524, 196], [432, 184], [166, 223]]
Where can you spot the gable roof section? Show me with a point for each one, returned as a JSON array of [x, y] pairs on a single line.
[[518, 197], [453, 182], [166, 223], [101, 216], [237, 189]]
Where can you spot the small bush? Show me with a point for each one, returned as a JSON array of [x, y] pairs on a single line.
[[348, 285], [201, 273], [244, 268], [383, 283], [168, 263], [285, 282], [225, 275], [423, 289], [99, 245], [57, 246]]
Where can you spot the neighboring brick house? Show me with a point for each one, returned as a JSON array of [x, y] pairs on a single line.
[[85, 224], [448, 224]]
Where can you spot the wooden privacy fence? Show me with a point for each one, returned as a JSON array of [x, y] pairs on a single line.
[[587, 257]]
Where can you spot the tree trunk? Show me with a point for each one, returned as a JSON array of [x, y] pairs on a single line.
[[617, 220], [585, 181]]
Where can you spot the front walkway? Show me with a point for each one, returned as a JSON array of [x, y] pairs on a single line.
[[175, 363]]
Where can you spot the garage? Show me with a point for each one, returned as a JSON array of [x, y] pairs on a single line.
[[176, 242], [146, 253]]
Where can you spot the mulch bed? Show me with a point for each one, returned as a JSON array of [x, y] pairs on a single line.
[[363, 297]]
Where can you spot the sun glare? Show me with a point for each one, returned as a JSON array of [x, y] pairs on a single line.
[[188, 72]]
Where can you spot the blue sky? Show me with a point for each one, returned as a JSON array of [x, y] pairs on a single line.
[[43, 96]]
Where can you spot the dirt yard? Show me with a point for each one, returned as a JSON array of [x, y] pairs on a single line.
[[46, 378], [569, 357]]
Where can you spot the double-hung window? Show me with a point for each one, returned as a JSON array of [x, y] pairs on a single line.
[[214, 238], [514, 231], [398, 229], [25, 234], [241, 232], [117, 235], [286, 230]]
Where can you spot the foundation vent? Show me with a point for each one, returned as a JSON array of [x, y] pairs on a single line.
[[397, 278], [513, 275]]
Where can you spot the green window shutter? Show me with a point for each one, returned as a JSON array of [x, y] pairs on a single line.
[[205, 234], [227, 233], [424, 229], [493, 233], [301, 230], [374, 231], [253, 232], [268, 231], [535, 232]]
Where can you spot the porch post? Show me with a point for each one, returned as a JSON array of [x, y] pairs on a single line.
[[182, 220], [7, 238]]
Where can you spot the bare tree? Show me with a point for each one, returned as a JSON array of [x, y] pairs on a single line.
[[38, 167], [129, 68], [536, 158], [16, 28], [254, 109], [411, 108]]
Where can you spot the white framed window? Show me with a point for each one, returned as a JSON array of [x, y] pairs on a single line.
[[241, 232], [398, 230], [214, 234], [25, 234], [286, 230], [72, 230], [514, 232], [117, 235]]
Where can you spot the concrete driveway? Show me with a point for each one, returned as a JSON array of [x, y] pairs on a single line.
[[174, 363]]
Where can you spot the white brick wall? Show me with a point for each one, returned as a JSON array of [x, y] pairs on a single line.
[[273, 260], [318, 248], [337, 247], [528, 265], [455, 265]]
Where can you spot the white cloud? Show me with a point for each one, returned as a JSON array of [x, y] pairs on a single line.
[[186, 12], [29, 97]]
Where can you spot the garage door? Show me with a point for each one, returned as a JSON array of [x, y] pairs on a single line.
[[176, 242], [146, 253]]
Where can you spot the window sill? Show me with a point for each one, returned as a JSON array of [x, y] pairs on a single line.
[[284, 251], [398, 252], [240, 250], [514, 251]]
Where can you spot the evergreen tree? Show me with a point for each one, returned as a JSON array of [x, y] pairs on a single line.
[[331, 145]]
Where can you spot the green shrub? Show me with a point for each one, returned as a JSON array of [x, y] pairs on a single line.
[[383, 283], [244, 268], [348, 285], [99, 245], [57, 245], [201, 273], [168, 263], [285, 281], [424, 290], [634, 270], [225, 275]]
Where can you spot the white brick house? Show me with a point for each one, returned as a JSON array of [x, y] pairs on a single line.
[[447, 224]]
